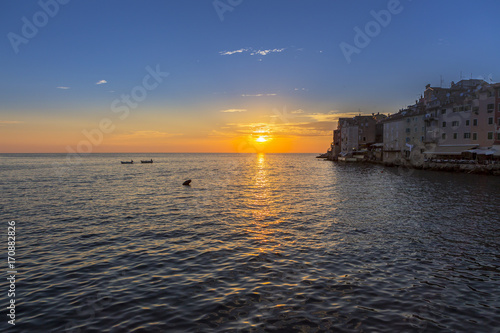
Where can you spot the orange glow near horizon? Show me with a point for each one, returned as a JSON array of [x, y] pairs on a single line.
[[17, 143], [65, 135]]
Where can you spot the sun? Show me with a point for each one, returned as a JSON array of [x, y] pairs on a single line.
[[261, 139]]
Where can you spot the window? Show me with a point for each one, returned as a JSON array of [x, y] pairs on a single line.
[[474, 136], [490, 135], [490, 121], [443, 136], [422, 138], [475, 108], [455, 109], [443, 111], [461, 108], [444, 123], [474, 122], [364, 138], [407, 139], [416, 129], [454, 123], [490, 107], [467, 108], [467, 123], [408, 130], [466, 135], [455, 136]]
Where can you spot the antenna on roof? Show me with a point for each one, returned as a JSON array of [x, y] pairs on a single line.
[[441, 81], [460, 75]]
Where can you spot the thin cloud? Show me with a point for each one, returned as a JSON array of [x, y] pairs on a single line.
[[233, 110], [442, 41], [320, 116], [331, 116], [145, 135], [266, 52], [317, 126], [298, 123], [233, 52], [64, 88], [257, 95], [252, 51], [102, 82], [302, 129], [9, 122]]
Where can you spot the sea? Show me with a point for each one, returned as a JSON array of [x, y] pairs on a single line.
[[256, 243]]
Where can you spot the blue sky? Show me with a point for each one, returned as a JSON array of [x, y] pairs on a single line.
[[262, 55]]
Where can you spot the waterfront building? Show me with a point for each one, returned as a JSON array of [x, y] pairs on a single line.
[[357, 133], [336, 144], [445, 122], [497, 115], [463, 120], [404, 134]]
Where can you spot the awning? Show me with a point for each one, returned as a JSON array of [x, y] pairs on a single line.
[[449, 150], [482, 151], [496, 150]]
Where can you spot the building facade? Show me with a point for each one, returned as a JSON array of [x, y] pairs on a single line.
[[404, 134], [444, 122], [465, 118], [358, 133]]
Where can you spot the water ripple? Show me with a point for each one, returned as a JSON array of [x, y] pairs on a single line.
[[257, 243]]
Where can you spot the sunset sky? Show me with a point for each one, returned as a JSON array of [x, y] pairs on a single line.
[[225, 75]]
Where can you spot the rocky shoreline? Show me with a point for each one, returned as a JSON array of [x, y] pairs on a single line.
[[482, 169], [473, 168]]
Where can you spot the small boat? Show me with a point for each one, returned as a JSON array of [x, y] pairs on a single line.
[[147, 161], [131, 162]]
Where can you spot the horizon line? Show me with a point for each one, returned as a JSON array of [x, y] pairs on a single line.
[[1, 153]]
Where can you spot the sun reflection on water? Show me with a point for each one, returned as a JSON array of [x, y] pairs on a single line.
[[265, 216]]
